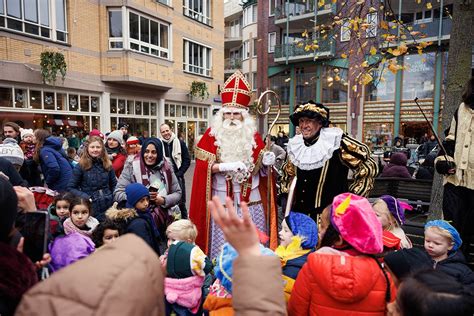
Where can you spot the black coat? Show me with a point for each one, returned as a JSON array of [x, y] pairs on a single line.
[[142, 228], [185, 158], [13, 176], [455, 265]]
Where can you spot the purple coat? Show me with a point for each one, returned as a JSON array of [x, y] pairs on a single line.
[[397, 168], [68, 249]]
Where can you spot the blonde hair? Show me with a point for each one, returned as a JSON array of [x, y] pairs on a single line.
[[442, 232], [384, 208], [182, 230]]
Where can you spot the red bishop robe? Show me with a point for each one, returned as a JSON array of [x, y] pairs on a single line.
[[206, 156]]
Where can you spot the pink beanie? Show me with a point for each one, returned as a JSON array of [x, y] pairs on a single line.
[[354, 218]]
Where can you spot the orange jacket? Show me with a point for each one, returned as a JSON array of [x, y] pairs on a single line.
[[334, 283]]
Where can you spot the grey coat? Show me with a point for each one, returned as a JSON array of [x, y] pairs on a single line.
[[127, 177]]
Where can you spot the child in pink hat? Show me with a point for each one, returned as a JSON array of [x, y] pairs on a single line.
[[343, 276]]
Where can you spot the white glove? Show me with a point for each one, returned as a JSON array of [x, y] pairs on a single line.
[[268, 158], [232, 166]]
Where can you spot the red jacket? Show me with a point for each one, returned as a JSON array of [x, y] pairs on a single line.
[[118, 163], [338, 284]]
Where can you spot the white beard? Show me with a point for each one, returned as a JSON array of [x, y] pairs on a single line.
[[234, 138]]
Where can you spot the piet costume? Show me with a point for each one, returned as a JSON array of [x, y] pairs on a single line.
[[250, 186], [316, 169]]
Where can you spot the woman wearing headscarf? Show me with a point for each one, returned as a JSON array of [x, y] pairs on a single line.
[[149, 168]]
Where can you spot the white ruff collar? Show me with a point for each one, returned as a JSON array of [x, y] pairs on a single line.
[[314, 156]]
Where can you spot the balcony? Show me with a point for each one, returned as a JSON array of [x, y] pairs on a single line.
[[232, 64], [232, 36], [299, 51], [300, 14], [429, 30]]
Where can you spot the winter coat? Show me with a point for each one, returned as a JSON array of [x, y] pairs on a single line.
[[130, 221], [56, 169], [17, 275], [97, 184], [118, 162], [124, 278], [455, 265], [397, 168], [68, 249], [358, 288], [129, 176], [7, 168]]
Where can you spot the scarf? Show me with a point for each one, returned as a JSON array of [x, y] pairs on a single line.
[[175, 150], [146, 215], [292, 251], [70, 228], [115, 150]]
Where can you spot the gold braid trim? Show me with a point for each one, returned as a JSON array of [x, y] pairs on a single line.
[[313, 108], [202, 154], [258, 163], [288, 173], [357, 156]]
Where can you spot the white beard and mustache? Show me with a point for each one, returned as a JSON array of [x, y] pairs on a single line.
[[234, 138]]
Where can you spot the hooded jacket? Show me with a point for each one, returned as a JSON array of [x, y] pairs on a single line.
[[397, 168], [455, 265], [55, 167], [124, 278], [337, 284]]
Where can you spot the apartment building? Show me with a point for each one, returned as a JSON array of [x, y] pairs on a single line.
[[385, 108], [127, 61]]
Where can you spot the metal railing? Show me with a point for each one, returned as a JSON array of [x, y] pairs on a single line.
[[232, 63], [297, 8], [305, 48]]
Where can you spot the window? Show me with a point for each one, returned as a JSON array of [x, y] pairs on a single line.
[[423, 16], [371, 30], [250, 14], [165, 2], [199, 10], [418, 76], [271, 7], [254, 49], [146, 35], [345, 31], [35, 17], [197, 58], [245, 50], [271, 42], [254, 81]]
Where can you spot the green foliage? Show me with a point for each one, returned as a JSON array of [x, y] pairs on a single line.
[[51, 64], [199, 89]]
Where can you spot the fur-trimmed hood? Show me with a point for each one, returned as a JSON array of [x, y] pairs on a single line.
[[120, 215]]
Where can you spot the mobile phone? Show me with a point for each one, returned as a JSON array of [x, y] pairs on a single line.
[[35, 231]]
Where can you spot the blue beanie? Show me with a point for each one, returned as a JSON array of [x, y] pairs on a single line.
[[304, 226], [223, 269], [447, 226], [135, 191]]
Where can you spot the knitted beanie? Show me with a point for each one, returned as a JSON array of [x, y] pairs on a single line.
[[406, 261], [304, 226], [133, 140], [11, 151], [451, 230], [9, 201], [96, 132], [117, 135], [134, 192], [26, 132], [178, 264]]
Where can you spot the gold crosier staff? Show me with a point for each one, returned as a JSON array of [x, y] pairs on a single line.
[[261, 111]]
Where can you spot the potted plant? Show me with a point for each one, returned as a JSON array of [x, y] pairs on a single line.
[[199, 90], [51, 63]]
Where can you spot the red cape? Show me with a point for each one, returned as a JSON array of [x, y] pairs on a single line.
[[199, 213]]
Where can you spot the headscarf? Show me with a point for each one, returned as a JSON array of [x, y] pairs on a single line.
[[159, 150]]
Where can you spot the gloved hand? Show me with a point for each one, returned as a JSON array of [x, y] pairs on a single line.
[[445, 167], [268, 158], [232, 166]]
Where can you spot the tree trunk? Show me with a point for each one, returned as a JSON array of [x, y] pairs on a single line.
[[458, 73]]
